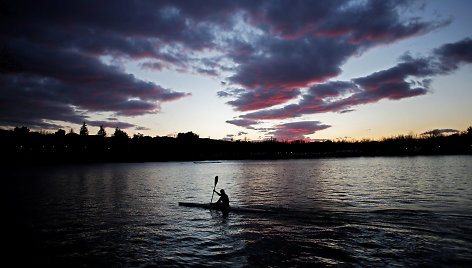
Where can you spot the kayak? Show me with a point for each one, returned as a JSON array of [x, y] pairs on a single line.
[[230, 208]]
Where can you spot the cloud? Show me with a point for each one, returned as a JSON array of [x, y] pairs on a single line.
[[152, 66], [53, 53], [230, 92], [291, 63], [319, 99], [297, 130], [308, 43], [47, 84], [50, 59], [454, 54], [111, 124], [372, 22], [409, 78], [141, 128], [440, 131], [243, 123], [263, 97]]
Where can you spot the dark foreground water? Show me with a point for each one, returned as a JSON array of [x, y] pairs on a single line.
[[406, 211]]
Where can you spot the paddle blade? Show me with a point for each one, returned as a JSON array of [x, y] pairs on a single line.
[[216, 180]]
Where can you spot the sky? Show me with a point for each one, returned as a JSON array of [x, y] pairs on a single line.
[[241, 70]]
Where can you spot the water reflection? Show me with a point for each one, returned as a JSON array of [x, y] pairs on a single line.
[[354, 211]]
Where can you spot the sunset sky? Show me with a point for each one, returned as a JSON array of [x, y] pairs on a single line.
[[238, 69]]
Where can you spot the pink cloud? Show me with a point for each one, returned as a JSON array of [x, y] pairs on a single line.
[[52, 54], [409, 78], [297, 130]]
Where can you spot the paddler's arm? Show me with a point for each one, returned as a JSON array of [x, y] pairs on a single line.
[[217, 192]]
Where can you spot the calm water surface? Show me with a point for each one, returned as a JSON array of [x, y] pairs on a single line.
[[405, 211]]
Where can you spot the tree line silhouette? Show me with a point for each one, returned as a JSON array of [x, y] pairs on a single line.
[[20, 145]]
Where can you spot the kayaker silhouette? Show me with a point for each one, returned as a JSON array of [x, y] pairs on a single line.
[[223, 202]]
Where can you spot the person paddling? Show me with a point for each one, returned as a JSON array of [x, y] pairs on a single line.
[[223, 202]]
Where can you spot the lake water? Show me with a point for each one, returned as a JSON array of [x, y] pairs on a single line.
[[379, 211]]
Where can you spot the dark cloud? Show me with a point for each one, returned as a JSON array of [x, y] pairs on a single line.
[[242, 123], [346, 111], [297, 130], [409, 78], [392, 83], [141, 128], [368, 23], [111, 124], [293, 63], [152, 66], [453, 54], [263, 97], [50, 58], [308, 43], [320, 98], [295, 19], [55, 81], [53, 52], [440, 131], [230, 92], [129, 27]]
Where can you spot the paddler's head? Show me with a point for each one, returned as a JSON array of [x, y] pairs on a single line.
[[222, 191]]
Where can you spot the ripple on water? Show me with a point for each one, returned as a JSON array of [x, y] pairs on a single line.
[[327, 212]]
